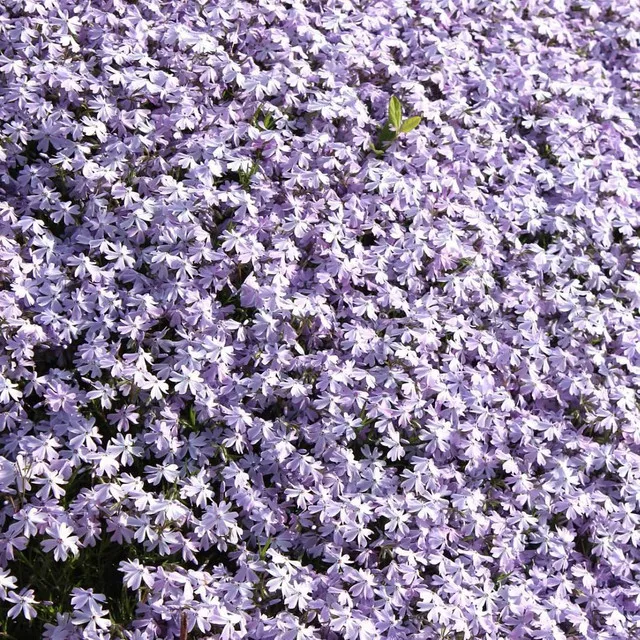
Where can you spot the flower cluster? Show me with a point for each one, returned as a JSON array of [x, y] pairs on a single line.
[[261, 378]]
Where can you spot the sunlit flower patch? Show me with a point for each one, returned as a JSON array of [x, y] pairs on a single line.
[[319, 320]]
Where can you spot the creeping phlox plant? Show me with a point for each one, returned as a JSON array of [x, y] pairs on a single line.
[[394, 126], [319, 320]]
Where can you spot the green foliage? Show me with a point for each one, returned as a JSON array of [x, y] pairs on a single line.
[[244, 177], [545, 151], [395, 113], [263, 120], [95, 567], [394, 126], [262, 553], [410, 124]]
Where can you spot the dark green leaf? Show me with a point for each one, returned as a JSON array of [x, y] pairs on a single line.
[[386, 134]]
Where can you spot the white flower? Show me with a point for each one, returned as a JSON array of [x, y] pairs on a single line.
[[62, 541], [296, 594], [135, 574], [7, 474], [23, 604], [7, 581], [8, 391], [93, 619], [187, 380]]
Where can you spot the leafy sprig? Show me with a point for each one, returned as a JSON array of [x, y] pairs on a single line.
[[394, 126]]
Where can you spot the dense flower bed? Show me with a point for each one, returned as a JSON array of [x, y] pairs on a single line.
[[267, 374]]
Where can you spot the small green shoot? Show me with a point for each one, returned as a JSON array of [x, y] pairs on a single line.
[[394, 126], [263, 550], [264, 121], [244, 177], [395, 113]]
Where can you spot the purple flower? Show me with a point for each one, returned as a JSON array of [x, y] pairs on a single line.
[[22, 604], [291, 386], [62, 541]]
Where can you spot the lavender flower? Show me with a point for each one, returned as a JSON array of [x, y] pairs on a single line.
[[319, 320]]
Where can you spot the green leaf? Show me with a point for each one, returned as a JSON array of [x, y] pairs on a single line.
[[263, 550], [410, 124], [256, 116], [386, 134], [395, 112], [502, 577]]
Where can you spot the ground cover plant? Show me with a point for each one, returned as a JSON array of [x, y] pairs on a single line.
[[319, 320]]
